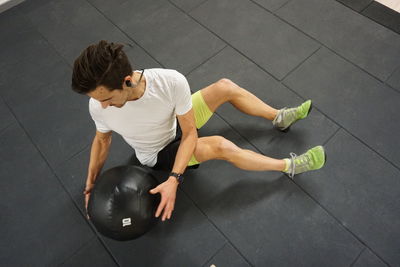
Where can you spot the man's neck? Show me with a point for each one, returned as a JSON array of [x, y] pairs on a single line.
[[138, 91]]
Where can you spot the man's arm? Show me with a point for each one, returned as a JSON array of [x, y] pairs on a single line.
[[185, 152], [188, 141], [98, 155]]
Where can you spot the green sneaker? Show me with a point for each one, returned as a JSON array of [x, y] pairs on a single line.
[[287, 116], [313, 159]]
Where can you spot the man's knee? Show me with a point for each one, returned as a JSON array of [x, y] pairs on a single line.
[[224, 148], [226, 84], [228, 87], [214, 147]]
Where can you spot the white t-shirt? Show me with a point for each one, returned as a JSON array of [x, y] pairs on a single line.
[[147, 124]]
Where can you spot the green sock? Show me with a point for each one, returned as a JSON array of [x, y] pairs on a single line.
[[287, 161]]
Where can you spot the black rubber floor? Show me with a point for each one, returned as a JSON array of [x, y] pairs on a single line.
[[346, 214]]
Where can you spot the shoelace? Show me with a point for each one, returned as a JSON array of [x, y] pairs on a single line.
[[303, 160], [285, 114], [292, 165], [291, 113]]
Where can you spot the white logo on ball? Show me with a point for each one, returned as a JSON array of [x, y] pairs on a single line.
[[126, 222]]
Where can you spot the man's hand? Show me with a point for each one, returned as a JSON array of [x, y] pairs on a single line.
[[168, 195], [87, 191]]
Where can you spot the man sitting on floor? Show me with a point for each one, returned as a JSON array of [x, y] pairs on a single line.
[[144, 107]]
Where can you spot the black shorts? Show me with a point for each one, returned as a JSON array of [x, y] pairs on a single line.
[[166, 157]]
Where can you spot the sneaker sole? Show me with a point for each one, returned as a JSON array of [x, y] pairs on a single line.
[[288, 128]]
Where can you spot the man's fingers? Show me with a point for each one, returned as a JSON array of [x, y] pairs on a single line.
[[168, 210], [160, 207]]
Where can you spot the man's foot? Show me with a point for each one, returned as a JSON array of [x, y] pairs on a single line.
[[287, 116], [313, 159]]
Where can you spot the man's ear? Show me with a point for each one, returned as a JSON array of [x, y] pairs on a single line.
[[128, 83]]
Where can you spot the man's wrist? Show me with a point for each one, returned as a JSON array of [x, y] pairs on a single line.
[[178, 176], [173, 179]]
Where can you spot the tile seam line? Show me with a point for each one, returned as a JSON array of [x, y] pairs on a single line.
[[287, 2], [391, 75], [330, 138], [358, 256], [124, 33], [322, 44], [362, 10], [345, 129], [213, 255], [301, 63], [60, 182], [193, 8], [77, 251], [8, 126], [77, 153], [206, 60], [44, 38], [223, 40], [216, 227]]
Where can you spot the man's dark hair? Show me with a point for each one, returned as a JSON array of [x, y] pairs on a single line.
[[100, 64]]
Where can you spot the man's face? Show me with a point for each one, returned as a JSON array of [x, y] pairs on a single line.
[[115, 98]]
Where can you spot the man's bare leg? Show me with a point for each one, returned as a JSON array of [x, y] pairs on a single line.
[[217, 147], [227, 91]]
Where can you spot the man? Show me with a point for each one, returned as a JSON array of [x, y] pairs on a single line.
[[144, 106]]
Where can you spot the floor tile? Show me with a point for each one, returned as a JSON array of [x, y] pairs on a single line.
[[24, 93], [368, 259], [92, 254], [65, 116], [265, 215], [6, 117], [369, 45], [99, 28], [357, 5], [80, 21], [272, 5], [139, 58], [43, 96], [346, 94], [166, 32], [394, 80], [227, 256], [11, 23], [30, 5], [253, 31], [363, 191], [383, 15], [188, 5], [36, 211], [29, 64], [314, 130], [20, 40]]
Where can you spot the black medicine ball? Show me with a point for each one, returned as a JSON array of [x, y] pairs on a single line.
[[120, 205]]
